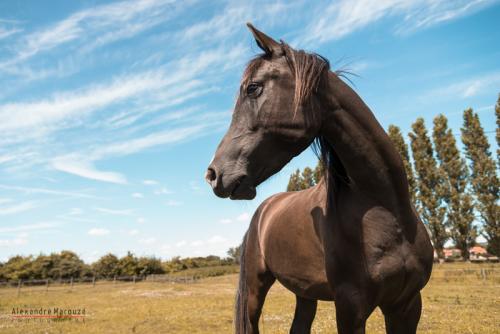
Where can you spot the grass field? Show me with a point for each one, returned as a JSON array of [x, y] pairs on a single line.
[[460, 298]]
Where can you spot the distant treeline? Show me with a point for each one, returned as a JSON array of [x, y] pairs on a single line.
[[67, 264], [455, 193]]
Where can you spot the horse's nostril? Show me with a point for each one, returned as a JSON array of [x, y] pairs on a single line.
[[210, 175]]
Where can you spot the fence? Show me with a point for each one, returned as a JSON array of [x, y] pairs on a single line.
[[444, 273], [69, 283]]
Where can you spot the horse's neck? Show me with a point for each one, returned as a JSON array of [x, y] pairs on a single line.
[[363, 147]]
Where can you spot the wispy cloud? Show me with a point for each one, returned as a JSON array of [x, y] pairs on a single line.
[[86, 170], [17, 208], [29, 227], [13, 242], [64, 106], [43, 191], [95, 26], [243, 218], [173, 203], [116, 212], [341, 18], [82, 164], [6, 32], [147, 241], [98, 232], [475, 86]]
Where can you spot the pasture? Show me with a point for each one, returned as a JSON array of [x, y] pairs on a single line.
[[460, 298]]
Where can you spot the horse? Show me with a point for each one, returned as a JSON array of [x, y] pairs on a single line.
[[355, 238]]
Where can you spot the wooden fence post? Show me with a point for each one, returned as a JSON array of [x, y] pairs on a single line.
[[71, 284], [152, 277], [134, 279], [93, 281], [114, 279], [47, 285], [19, 283]]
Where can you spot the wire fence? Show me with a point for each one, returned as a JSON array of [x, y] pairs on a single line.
[[69, 284], [440, 274]]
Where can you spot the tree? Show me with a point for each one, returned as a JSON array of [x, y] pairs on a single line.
[[318, 172], [107, 266], [429, 182], [483, 178], [18, 267], [128, 265], [307, 179], [460, 213], [497, 113], [150, 265], [399, 142], [235, 253], [294, 184]]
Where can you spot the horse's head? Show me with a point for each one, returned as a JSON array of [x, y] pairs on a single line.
[[273, 121]]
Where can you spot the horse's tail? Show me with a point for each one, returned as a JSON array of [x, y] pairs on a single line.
[[241, 310]]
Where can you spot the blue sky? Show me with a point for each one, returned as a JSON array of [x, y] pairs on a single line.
[[111, 111]]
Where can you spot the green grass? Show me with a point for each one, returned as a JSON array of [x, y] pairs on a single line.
[[458, 299]]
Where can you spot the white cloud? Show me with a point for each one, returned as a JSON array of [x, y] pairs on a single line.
[[5, 32], [141, 220], [137, 195], [13, 242], [216, 239], [31, 190], [475, 86], [163, 191], [62, 106], [147, 241], [97, 25], [86, 170], [17, 208], [244, 217], [5, 200], [149, 182], [98, 231], [197, 243], [82, 164], [121, 212], [29, 227], [343, 17], [181, 243], [133, 232], [173, 203], [75, 211]]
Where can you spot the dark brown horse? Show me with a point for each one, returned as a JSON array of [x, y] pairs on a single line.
[[354, 238]]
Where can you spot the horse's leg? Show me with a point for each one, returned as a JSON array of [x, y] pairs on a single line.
[[258, 286], [352, 311], [254, 283], [403, 318], [305, 311]]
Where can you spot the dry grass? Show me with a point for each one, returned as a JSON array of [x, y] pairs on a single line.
[[457, 300]]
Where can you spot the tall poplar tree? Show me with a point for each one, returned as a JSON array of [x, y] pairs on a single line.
[[307, 178], [429, 182], [483, 178], [398, 141], [294, 183], [497, 113], [460, 215], [318, 172]]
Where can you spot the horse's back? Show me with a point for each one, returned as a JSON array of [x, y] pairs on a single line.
[[287, 227]]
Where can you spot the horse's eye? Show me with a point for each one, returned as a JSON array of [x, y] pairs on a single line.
[[254, 89]]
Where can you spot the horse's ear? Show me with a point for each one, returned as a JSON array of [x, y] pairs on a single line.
[[266, 43]]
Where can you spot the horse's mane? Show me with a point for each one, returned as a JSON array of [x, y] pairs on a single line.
[[308, 69]]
